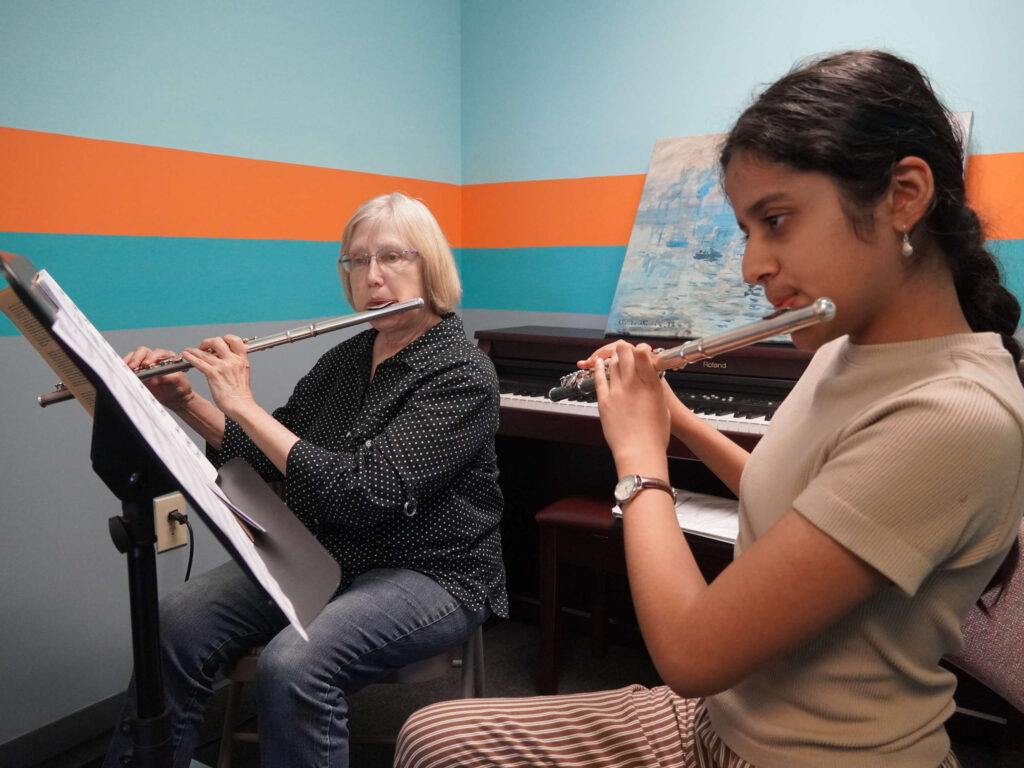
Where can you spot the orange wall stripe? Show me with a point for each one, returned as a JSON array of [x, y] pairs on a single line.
[[70, 185], [995, 186], [600, 210], [559, 212]]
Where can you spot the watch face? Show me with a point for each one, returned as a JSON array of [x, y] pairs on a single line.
[[625, 488]]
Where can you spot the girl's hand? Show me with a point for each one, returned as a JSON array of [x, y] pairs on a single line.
[[630, 399], [171, 389], [224, 362], [601, 353]]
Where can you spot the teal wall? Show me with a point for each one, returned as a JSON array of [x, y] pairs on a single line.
[[573, 89], [365, 85], [475, 92], [582, 89]]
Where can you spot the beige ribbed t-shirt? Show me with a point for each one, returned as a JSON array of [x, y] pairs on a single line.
[[911, 456]]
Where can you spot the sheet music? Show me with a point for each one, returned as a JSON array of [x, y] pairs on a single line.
[[180, 455], [705, 515], [51, 351]]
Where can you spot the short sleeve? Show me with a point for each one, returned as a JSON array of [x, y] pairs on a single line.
[[920, 483]]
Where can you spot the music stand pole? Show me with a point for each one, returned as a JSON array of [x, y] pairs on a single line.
[[125, 462]]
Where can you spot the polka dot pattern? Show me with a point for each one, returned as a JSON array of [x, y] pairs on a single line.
[[400, 471]]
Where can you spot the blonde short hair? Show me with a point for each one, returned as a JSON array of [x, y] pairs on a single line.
[[413, 222]]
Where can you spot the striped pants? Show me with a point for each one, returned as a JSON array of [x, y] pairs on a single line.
[[634, 726]]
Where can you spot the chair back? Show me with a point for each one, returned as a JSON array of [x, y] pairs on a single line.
[[993, 650]]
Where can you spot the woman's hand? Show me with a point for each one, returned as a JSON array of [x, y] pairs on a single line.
[[224, 362], [631, 402], [171, 389]]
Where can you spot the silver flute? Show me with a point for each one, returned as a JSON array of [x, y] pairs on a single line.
[[178, 363], [783, 321]]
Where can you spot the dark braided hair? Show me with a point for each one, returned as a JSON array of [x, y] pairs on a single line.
[[854, 116]]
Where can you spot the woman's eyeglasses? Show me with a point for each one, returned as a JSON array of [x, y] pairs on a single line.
[[393, 259]]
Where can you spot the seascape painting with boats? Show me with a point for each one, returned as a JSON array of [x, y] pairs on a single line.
[[681, 276]]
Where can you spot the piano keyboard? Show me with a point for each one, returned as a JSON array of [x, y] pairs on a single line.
[[723, 413]]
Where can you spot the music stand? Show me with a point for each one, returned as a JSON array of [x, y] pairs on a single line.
[[284, 558]]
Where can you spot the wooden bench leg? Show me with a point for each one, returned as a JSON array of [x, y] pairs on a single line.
[[598, 613], [550, 610], [227, 736]]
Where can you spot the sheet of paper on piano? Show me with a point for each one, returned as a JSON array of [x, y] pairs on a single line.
[[705, 515], [180, 455]]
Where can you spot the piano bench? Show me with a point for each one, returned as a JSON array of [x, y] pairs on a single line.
[[575, 530]]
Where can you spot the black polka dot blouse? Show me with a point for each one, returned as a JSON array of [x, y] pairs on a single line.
[[400, 471]]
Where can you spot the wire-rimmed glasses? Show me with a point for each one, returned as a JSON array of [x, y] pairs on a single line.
[[393, 259]]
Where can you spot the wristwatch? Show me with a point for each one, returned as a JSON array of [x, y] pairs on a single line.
[[630, 485]]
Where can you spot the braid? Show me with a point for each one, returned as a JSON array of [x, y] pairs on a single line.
[[985, 301], [988, 306]]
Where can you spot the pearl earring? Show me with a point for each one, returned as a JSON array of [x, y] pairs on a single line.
[[907, 250]]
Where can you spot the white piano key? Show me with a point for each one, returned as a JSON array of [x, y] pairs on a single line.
[[724, 422]]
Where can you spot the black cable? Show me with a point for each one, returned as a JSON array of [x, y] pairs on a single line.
[[181, 519]]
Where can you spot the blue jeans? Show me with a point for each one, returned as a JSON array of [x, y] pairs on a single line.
[[385, 619]]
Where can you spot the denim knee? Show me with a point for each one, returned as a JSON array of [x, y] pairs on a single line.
[[283, 667], [176, 612]]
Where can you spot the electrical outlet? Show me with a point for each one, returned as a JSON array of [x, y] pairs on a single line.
[[169, 534]]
